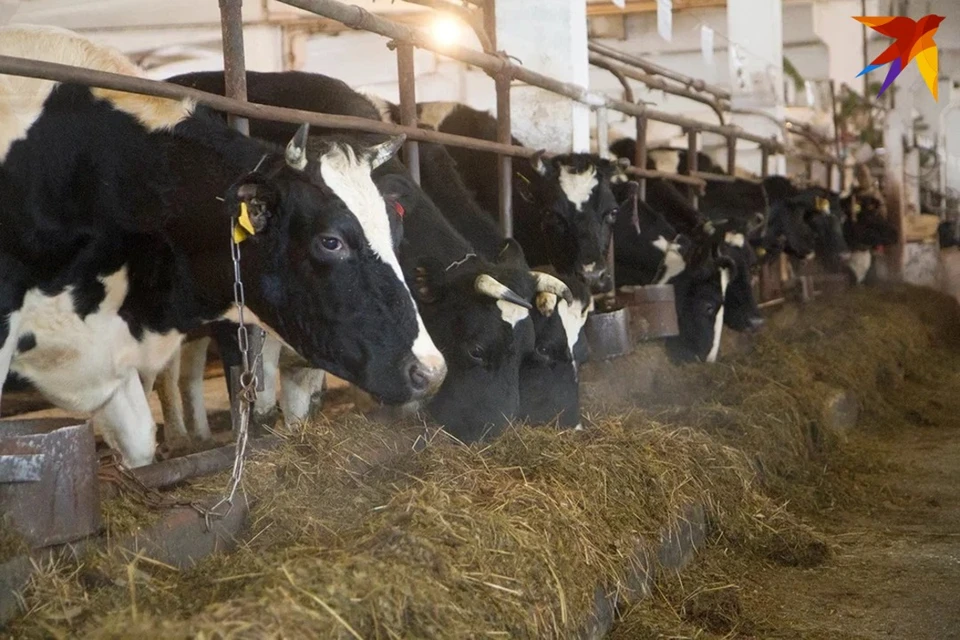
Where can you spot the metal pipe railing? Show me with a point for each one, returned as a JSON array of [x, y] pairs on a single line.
[[358, 18], [56, 72], [658, 84], [234, 66], [657, 70]]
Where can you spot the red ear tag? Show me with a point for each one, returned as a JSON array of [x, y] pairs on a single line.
[[399, 208]]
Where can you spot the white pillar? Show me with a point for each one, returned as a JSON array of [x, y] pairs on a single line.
[[755, 31], [833, 23], [549, 37]]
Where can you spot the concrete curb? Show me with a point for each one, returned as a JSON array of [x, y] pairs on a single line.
[[678, 546]]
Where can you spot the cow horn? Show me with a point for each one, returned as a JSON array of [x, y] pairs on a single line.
[[386, 150], [488, 286], [546, 303], [547, 283], [296, 153], [536, 161]]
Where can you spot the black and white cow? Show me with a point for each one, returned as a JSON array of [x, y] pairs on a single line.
[[649, 251], [866, 229], [549, 389], [454, 281], [730, 237], [563, 208], [117, 210]]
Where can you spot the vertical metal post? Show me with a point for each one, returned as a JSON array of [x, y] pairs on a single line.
[[408, 105], [234, 68], [640, 154], [829, 167], [764, 162], [692, 162], [808, 169], [603, 133], [731, 155], [490, 22], [504, 163]]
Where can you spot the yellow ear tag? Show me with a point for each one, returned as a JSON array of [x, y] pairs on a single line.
[[761, 252], [244, 228]]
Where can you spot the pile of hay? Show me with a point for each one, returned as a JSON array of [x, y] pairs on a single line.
[[512, 539]]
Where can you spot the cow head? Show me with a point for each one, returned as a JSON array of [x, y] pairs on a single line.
[[866, 227], [577, 207], [823, 215], [549, 384], [479, 314], [741, 312], [700, 294], [321, 271]]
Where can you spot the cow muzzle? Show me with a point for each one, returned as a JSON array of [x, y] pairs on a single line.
[[598, 279], [425, 376]]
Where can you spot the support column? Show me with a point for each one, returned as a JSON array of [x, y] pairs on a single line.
[[756, 72], [549, 37], [896, 123]]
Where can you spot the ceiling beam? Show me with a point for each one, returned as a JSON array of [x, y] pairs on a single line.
[[644, 6]]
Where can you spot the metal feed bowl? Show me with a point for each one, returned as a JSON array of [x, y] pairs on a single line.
[[49, 492], [608, 332], [653, 310]]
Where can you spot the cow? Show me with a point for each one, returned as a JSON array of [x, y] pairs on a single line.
[[117, 214], [549, 389], [456, 284], [866, 230], [649, 251], [741, 312], [563, 208]]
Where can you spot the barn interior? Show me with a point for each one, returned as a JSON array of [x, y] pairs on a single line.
[[775, 461]]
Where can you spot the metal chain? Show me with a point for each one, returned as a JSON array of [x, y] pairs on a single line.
[[247, 392]]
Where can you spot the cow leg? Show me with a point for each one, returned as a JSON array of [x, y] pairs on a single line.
[[175, 434], [265, 408], [127, 423], [301, 392], [8, 344], [193, 363]]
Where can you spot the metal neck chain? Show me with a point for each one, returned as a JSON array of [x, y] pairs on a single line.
[[247, 393]]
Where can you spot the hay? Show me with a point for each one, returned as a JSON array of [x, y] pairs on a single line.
[[511, 539]]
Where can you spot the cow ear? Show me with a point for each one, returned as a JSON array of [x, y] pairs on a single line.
[[511, 254], [428, 280], [256, 203]]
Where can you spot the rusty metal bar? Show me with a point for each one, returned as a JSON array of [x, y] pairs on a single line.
[[490, 22], [603, 133], [764, 163], [692, 160], [12, 65], [640, 154], [358, 18], [407, 80], [621, 78], [176, 470], [234, 67], [700, 183], [731, 156], [622, 72], [657, 70], [504, 162]]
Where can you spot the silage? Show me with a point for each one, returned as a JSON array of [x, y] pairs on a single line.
[[512, 539]]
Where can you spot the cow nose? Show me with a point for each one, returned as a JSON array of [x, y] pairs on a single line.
[[426, 376], [845, 256], [755, 323], [597, 279]]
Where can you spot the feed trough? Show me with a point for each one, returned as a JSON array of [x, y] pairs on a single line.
[[49, 492], [653, 311], [608, 331]]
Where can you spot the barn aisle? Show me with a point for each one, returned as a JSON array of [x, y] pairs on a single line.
[[895, 571]]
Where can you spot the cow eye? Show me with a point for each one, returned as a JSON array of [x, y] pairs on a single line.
[[476, 353], [611, 216], [330, 243], [327, 247]]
